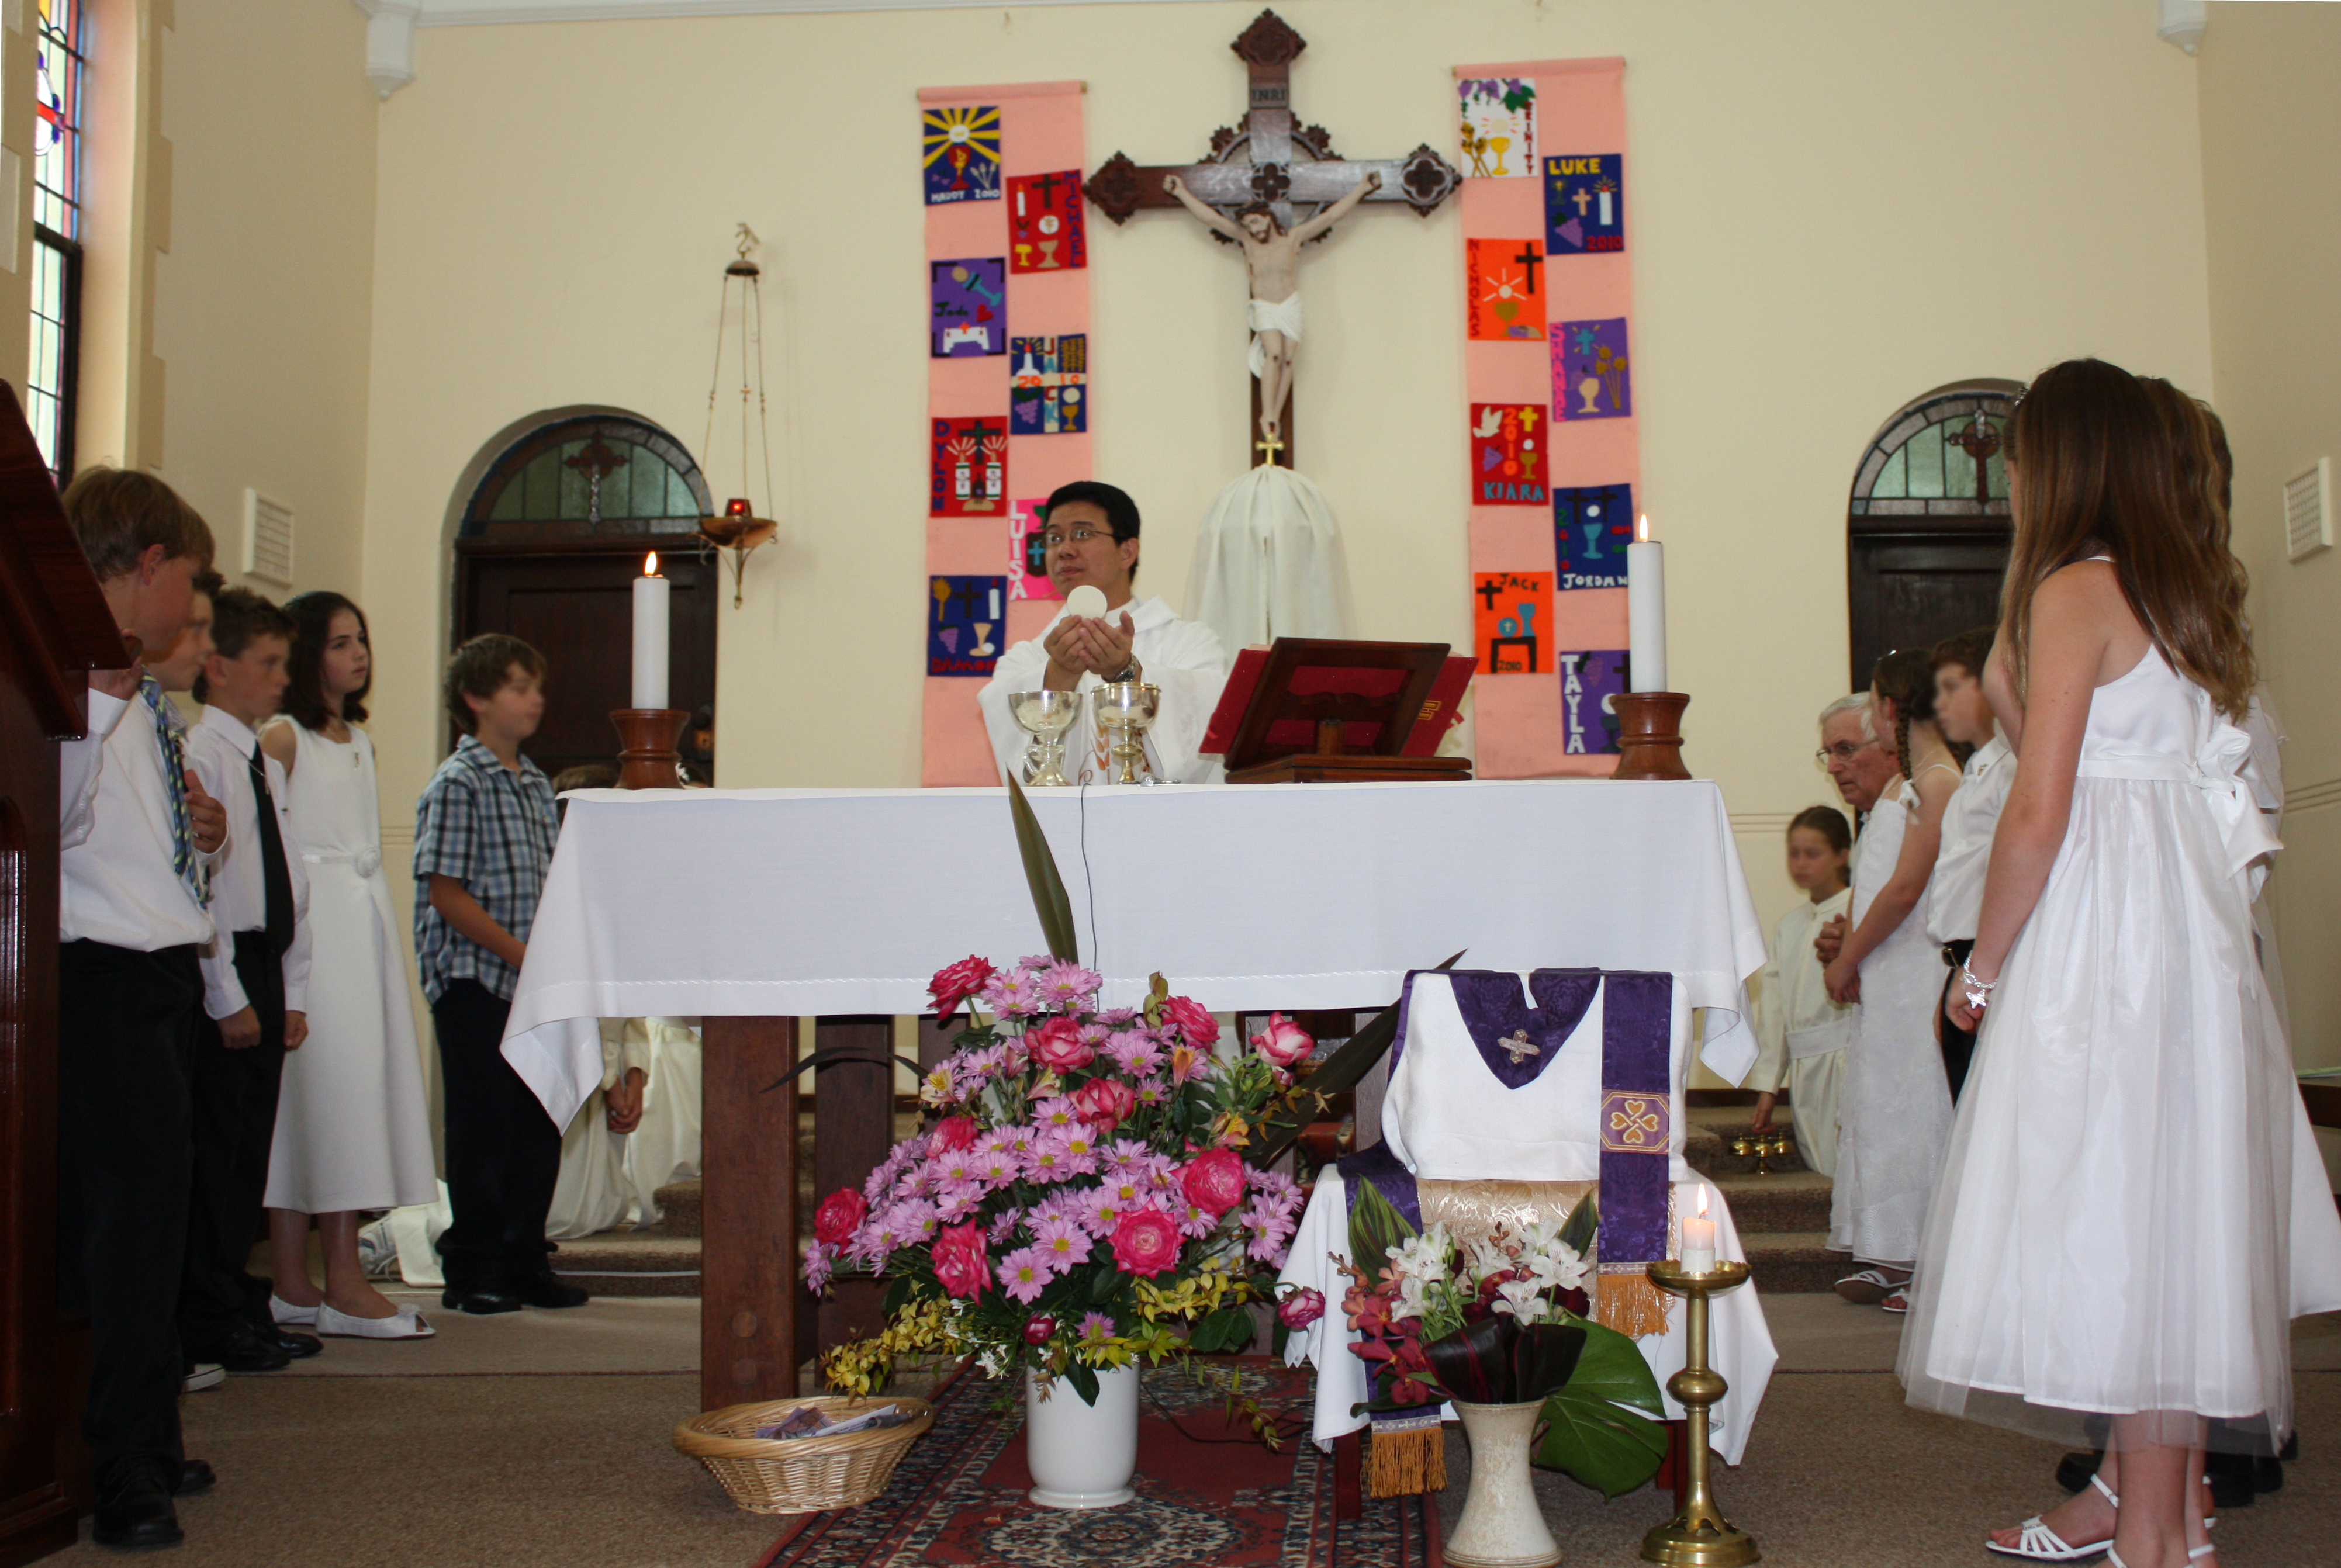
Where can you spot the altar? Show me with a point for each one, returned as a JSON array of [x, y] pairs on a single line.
[[753, 909]]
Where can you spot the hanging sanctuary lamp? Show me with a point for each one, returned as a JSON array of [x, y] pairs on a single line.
[[737, 529]]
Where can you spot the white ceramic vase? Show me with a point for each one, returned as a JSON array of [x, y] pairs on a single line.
[[1082, 1456], [1502, 1527]]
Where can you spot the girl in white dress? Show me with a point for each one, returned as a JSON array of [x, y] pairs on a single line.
[[1895, 1112], [2124, 1225], [1802, 1034], [353, 1133]]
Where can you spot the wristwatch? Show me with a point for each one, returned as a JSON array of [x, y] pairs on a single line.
[[1129, 672]]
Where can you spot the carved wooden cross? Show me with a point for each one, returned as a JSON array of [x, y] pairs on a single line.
[[1268, 158], [596, 460]]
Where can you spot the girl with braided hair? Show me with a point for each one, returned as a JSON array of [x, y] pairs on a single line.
[[1896, 1109]]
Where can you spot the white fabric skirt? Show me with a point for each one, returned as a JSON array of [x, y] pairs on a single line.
[[1894, 1108]]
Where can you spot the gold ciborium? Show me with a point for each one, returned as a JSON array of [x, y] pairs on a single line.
[[1125, 711], [1698, 1536], [1046, 716]]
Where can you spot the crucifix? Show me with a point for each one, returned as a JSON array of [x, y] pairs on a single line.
[[1979, 441], [1259, 173], [596, 460]]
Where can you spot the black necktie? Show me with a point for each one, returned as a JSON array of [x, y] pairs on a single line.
[[275, 880]]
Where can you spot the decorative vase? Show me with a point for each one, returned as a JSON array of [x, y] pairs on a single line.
[[1502, 1527], [1082, 1456]]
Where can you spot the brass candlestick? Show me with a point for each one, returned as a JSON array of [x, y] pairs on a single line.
[[1698, 1536], [1650, 734], [1764, 1146], [647, 757]]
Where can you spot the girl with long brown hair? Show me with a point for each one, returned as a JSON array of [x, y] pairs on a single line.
[[2121, 1226]]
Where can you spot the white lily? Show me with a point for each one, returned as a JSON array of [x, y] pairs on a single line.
[[1521, 1298]]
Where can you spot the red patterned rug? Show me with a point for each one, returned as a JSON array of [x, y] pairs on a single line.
[[1207, 1495]]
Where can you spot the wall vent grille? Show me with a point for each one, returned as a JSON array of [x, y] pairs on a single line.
[[267, 539], [2308, 511]]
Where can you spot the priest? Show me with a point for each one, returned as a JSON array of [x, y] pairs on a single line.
[[1091, 532]]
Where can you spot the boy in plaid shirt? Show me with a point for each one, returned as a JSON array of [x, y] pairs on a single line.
[[483, 837]]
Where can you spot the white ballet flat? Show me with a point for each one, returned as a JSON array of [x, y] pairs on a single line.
[[404, 1324], [284, 1311], [2036, 1542]]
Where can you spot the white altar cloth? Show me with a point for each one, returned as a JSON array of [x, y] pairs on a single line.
[[1739, 1342], [812, 902]]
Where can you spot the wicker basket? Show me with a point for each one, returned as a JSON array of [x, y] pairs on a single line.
[[799, 1475]]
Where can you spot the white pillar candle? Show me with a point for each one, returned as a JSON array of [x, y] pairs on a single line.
[[1699, 1239], [1646, 611], [650, 636]]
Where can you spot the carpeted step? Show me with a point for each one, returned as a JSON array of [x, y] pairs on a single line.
[[1783, 1201], [1707, 1131], [1794, 1262], [647, 1262], [679, 1212]]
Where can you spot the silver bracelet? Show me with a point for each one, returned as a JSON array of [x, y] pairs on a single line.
[[1979, 991]]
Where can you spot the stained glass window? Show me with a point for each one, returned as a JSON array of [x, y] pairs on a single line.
[[1924, 462], [62, 48], [598, 474]]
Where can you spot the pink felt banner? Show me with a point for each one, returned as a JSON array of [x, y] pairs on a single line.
[[1040, 133], [1580, 112]]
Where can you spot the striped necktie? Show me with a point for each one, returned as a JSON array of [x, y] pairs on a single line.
[[184, 859]]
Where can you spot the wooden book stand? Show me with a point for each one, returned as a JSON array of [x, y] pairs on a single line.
[[1336, 712]]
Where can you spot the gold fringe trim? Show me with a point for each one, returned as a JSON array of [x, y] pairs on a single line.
[[1629, 1303], [1404, 1462]]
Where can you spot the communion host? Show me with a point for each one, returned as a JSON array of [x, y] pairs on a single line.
[[1090, 533]]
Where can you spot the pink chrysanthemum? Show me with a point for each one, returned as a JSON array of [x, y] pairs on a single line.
[[1096, 1328], [820, 1263], [958, 1202], [1266, 1227], [1024, 1274], [1056, 1111], [1152, 1092], [1133, 1053], [1065, 987], [1062, 1241]]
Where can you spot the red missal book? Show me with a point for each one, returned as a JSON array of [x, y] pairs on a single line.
[[1441, 710]]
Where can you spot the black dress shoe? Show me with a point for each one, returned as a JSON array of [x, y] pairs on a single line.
[[195, 1476], [137, 1516], [549, 1289], [480, 1299], [245, 1350], [295, 1344]]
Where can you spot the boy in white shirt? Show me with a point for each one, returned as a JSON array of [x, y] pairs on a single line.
[[1955, 898]]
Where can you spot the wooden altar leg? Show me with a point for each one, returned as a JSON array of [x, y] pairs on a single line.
[[1348, 1474], [752, 1301], [854, 1127]]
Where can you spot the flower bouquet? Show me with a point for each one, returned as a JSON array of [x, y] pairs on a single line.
[[1082, 1201]]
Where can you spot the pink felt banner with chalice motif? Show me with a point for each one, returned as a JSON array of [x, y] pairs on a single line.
[[1008, 383], [1549, 425]]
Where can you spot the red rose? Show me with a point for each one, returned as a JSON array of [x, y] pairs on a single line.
[[955, 983], [960, 1263], [1145, 1241], [952, 1134], [1190, 1018], [1038, 1327], [1302, 1308], [1105, 1103], [1213, 1181], [839, 1215], [1283, 1042], [1057, 1044]]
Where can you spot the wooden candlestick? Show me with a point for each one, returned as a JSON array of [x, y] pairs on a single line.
[[647, 757], [1650, 734]]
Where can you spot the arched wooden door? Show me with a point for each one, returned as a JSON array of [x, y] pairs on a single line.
[[1927, 530]]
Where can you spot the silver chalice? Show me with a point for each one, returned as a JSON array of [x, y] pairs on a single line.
[[1125, 711], [1046, 715]]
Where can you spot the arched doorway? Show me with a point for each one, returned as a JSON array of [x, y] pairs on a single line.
[[549, 539], [1928, 528]]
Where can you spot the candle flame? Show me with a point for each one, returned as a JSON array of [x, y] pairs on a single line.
[[1642, 529], [1702, 1203], [650, 565]]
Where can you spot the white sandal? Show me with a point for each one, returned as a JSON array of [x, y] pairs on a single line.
[[404, 1324], [2036, 1542], [284, 1311], [1869, 1286]]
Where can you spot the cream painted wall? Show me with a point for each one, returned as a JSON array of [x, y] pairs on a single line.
[[2271, 121], [1837, 205], [263, 306]]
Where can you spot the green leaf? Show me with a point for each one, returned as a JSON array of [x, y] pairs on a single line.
[[898, 1296], [1607, 1447], [1577, 1232], [1049, 899], [1229, 1328], [1376, 1228], [1084, 1380], [1610, 1368], [1344, 1069]]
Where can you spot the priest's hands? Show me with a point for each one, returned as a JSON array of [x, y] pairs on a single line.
[[1080, 646]]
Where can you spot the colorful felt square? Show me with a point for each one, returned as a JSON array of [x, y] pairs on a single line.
[[971, 307], [1499, 127], [1584, 205], [967, 624], [1027, 556], [1047, 231], [1592, 524], [968, 476], [1505, 279], [962, 155], [1588, 724], [1590, 377], [1510, 453], [1511, 613], [1047, 390]]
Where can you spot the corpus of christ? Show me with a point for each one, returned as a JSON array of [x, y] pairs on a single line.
[[853, 855]]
